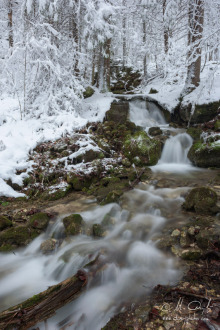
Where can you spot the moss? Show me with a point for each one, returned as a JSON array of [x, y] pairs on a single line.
[[39, 220], [73, 224], [205, 155], [194, 132], [19, 236], [140, 145], [78, 182], [4, 222], [217, 125], [58, 194], [191, 254], [205, 112], [89, 91], [153, 91], [202, 200], [32, 301], [112, 197], [97, 230]]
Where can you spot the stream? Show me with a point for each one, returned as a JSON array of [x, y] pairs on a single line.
[[133, 263]]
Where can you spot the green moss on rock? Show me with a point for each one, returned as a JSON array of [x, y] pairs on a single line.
[[191, 254], [201, 200], [194, 132], [4, 222], [97, 230], [89, 91], [205, 155], [73, 224], [142, 150], [16, 237], [118, 112], [39, 220]]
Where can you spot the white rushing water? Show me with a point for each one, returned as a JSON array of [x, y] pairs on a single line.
[[146, 114], [133, 263]]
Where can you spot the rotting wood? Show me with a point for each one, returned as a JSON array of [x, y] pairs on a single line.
[[42, 306]]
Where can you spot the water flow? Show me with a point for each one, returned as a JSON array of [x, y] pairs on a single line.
[[176, 149], [133, 263], [146, 114]]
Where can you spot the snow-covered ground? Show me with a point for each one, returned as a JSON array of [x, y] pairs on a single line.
[[169, 93], [18, 137]]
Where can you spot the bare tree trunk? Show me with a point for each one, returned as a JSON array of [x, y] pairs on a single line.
[[145, 55], [195, 22], [165, 30], [107, 73], [124, 33], [10, 24]]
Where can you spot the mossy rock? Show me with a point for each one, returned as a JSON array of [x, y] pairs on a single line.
[[39, 220], [4, 222], [89, 156], [201, 200], [78, 182], [154, 131], [202, 113], [97, 230], [112, 197], [17, 236], [153, 91], [142, 150], [88, 92], [118, 112], [191, 254], [59, 194], [194, 132], [73, 224], [205, 155]]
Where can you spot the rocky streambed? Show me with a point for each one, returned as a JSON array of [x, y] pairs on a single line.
[[85, 201]]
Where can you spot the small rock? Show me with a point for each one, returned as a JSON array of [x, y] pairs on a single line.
[[48, 246], [97, 230], [154, 131], [176, 233], [191, 231], [191, 254]]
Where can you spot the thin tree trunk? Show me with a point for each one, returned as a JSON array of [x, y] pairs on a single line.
[[165, 30], [124, 33], [145, 55], [107, 69], [10, 24], [195, 21]]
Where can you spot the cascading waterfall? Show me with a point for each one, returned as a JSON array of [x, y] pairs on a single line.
[[176, 149], [146, 114]]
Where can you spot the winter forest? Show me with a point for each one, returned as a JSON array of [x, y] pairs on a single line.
[[109, 164]]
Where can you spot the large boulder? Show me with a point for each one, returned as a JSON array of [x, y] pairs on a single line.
[[205, 154], [141, 150], [118, 112], [202, 200], [202, 113]]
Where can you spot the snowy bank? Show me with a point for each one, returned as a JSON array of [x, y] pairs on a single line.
[[19, 137]]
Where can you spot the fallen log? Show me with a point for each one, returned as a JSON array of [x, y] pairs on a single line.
[[43, 305]]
